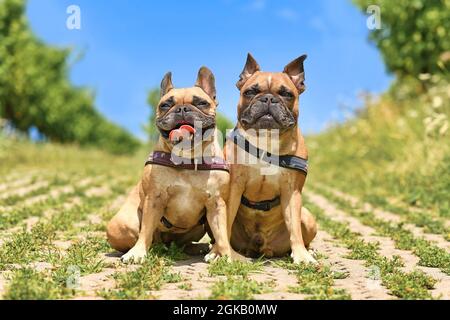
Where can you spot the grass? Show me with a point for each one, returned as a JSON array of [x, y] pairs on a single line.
[[315, 281], [57, 216], [82, 257], [61, 281], [238, 288], [318, 282], [14, 199], [187, 286], [404, 285], [238, 285], [395, 148], [425, 219], [138, 284], [19, 213], [150, 275], [171, 252], [222, 267], [429, 254], [28, 284], [25, 247], [65, 219]]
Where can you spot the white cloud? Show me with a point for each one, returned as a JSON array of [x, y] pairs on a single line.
[[257, 5], [288, 14], [318, 24]]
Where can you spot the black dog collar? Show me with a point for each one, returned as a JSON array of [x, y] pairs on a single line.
[[266, 205], [169, 225], [285, 161]]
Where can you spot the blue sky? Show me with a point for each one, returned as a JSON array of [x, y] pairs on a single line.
[[129, 45]]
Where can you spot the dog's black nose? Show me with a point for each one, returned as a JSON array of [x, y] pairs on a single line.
[[274, 100], [183, 109], [264, 98], [269, 98]]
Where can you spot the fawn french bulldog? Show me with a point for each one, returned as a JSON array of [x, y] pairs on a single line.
[[265, 213], [178, 200]]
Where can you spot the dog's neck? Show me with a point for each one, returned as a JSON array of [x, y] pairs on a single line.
[[209, 147], [290, 142]]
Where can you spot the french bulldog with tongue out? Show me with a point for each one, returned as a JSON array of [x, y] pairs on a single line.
[[185, 184]]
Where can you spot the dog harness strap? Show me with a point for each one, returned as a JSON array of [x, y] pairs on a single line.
[[204, 164], [285, 161], [266, 205], [169, 225]]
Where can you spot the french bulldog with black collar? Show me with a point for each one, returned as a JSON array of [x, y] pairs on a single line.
[[269, 101]]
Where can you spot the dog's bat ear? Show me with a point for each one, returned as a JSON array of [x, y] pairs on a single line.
[[207, 82], [251, 67], [296, 72], [166, 84]]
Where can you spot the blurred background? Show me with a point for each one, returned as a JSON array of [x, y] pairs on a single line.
[[122, 51], [375, 111]]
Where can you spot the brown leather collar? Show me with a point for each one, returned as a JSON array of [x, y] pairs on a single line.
[[205, 163]]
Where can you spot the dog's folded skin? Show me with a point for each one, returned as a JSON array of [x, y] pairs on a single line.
[[269, 101], [168, 203]]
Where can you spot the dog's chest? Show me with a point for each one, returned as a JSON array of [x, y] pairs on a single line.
[[188, 193], [262, 187], [263, 184]]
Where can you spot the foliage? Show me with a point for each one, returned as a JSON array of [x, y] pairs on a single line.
[[35, 91], [239, 288], [223, 123], [153, 100], [414, 37], [28, 284], [44, 240], [396, 148], [222, 267]]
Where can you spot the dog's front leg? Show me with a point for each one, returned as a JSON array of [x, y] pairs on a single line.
[[291, 202], [217, 220], [237, 187], [151, 215]]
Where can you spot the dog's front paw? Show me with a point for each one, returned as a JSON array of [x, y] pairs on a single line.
[[303, 256], [238, 257], [216, 253], [135, 255]]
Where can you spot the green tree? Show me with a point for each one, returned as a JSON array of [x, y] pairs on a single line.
[[223, 123], [35, 90], [414, 37], [153, 100]]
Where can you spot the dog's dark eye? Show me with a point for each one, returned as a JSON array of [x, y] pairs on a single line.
[[202, 104], [164, 106], [286, 94], [250, 93]]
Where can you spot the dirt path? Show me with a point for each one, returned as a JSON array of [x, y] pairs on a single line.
[[387, 245], [196, 281], [357, 283], [439, 240]]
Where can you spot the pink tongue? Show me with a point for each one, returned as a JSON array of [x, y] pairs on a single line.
[[185, 131]]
